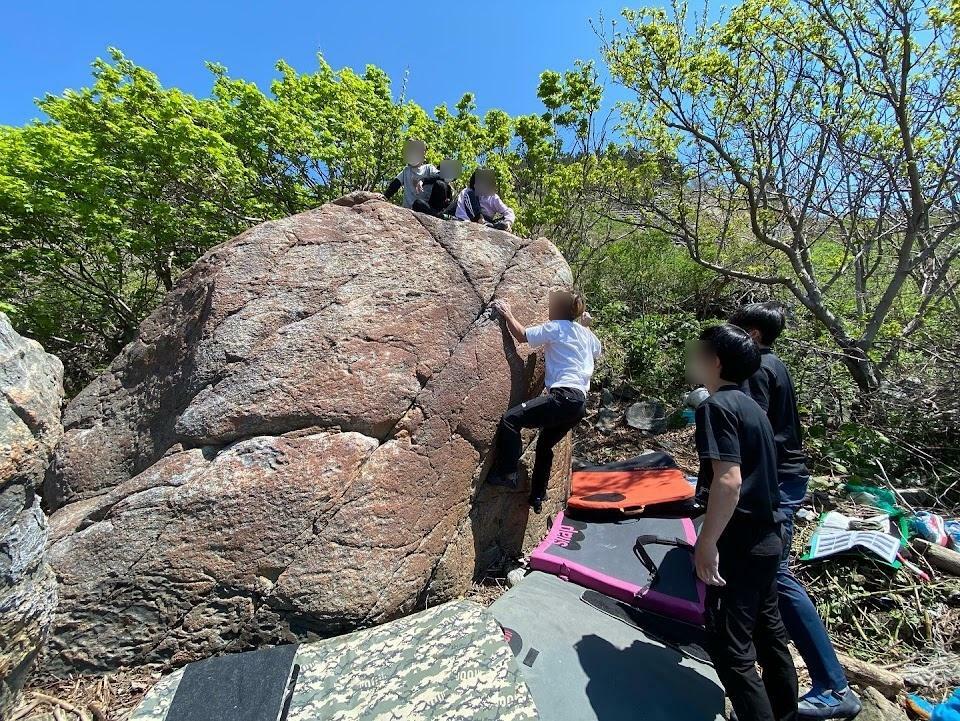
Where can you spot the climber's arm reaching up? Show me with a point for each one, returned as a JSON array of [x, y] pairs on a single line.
[[517, 330]]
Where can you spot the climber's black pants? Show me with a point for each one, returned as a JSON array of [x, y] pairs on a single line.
[[744, 629], [440, 196], [555, 414]]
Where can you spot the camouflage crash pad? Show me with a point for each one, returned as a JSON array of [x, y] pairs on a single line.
[[450, 662]]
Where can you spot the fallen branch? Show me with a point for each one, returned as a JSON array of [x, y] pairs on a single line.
[[25, 711], [65, 705], [868, 674], [942, 558]]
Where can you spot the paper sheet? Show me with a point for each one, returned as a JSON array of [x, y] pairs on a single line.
[[829, 541]]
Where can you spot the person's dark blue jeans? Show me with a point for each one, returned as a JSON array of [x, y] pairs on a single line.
[[803, 623]]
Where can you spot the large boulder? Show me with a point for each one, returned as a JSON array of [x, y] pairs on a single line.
[[31, 393], [297, 440]]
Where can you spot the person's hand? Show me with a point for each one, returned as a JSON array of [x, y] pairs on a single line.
[[502, 306], [586, 319], [419, 186], [508, 227], [706, 558]]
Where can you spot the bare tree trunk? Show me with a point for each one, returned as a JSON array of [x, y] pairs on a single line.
[[862, 369]]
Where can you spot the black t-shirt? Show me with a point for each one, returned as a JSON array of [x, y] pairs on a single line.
[[772, 388], [732, 427]]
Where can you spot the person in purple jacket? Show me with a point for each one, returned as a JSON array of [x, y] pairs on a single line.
[[479, 202]]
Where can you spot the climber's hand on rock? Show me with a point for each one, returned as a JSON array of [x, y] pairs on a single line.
[[502, 306]]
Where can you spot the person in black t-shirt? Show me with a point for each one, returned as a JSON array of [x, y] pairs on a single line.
[[771, 387], [739, 548]]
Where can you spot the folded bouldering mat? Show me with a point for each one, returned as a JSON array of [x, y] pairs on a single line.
[[582, 664], [644, 561], [629, 487], [450, 662], [651, 459]]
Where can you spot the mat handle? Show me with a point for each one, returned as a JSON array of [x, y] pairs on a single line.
[[640, 551]]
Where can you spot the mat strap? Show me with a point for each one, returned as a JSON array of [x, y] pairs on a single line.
[[650, 540]]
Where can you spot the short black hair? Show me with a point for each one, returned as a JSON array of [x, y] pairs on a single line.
[[738, 354], [768, 319]]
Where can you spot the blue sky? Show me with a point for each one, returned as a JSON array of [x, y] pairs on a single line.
[[496, 48]]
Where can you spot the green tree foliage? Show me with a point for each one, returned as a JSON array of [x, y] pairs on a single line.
[[570, 171], [104, 203], [317, 135], [126, 183], [816, 147]]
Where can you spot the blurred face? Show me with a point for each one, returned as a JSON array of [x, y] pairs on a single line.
[[486, 182], [414, 152], [703, 367], [559, 305], [450, 169]]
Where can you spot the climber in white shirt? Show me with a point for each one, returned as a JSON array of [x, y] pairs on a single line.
[[570, 349]]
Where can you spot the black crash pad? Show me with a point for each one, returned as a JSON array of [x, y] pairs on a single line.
[[238, 687]]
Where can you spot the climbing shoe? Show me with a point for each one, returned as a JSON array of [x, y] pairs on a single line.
[[537, 505], [507, 480], [829, 704]]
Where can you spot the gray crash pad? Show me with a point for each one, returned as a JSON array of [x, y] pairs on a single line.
[[582, 664]]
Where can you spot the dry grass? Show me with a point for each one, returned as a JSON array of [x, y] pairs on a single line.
[[86, 698], [891, 618], [624, 442], [488, 589]]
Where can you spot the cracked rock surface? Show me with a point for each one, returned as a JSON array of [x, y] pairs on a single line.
[[31, 393], [296, 442]]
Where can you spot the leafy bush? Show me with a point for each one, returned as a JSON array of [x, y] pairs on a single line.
[[646, 350]]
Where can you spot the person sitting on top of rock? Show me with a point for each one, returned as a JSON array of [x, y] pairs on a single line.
[[425, 189], [480, 203], [569, 353], [441, 201]]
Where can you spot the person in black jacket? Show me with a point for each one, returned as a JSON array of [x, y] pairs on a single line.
[[738, 550], [772, 388]]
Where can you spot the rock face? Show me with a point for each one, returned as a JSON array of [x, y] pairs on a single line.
[[878, 708], [297, 440], [647, 415], [31, 393]]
